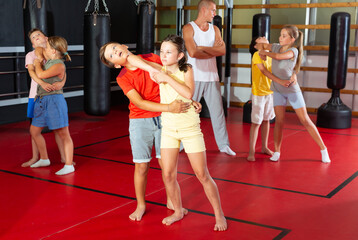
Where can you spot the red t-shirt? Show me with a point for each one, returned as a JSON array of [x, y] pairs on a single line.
[[143, 84]]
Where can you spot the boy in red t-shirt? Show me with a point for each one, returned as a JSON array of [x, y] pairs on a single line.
[[144, 117]]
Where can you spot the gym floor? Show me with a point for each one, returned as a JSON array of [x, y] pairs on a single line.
[[296, 198]]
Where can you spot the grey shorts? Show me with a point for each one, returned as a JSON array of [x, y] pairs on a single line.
[[143, 133], [295, 99]]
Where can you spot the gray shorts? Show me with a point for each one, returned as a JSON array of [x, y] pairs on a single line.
[[295, 99], [143, 133]]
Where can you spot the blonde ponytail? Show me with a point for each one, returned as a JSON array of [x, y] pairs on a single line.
[[293, 31]]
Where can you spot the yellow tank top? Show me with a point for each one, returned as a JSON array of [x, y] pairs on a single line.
[[167, 95]]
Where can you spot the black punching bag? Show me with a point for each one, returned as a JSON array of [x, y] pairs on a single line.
[[34, 16], [96, 75], [217, 21], [145, 37], [261, 25], [335, 114]]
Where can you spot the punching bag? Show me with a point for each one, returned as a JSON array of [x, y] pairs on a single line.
[[96, 75], [217, 21], [34, 16], [145, 37], [335, 114], [261, 25]]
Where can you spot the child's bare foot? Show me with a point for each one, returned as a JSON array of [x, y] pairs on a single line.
[[251, 157], [170, 207], [173, 218], [29, 163], [267, 151], [221, 224], [137, 214]]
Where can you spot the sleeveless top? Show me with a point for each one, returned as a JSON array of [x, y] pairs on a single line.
[[167, 95], [205, 70], [42, 92]]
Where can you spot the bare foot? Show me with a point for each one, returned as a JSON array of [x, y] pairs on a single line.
[[221, 224], [267, 151], [137, 214], [173, 218], [170, 207], [29, 163], [251, 157]]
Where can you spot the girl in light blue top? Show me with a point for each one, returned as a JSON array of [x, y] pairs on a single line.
[[286, 60]]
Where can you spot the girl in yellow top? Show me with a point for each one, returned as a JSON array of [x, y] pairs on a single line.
[[184, 128], [177, 82]]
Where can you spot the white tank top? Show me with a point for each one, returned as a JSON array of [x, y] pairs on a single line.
[[205, 70]]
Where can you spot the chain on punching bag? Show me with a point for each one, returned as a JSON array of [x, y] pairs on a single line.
[[146, 17], [96, 75], [34, 16]]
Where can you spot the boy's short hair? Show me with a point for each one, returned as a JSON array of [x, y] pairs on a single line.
[[204, 3], [35, 30], [103, 58], [252, 49]]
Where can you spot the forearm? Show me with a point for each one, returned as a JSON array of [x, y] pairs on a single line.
[[59, 85], [273, 55], [272, 76], [39, 53], [263, 46], [138, 62], [214, 51], [180, 88], [39, 71], [152, 106], [200, 54], [35, 77]]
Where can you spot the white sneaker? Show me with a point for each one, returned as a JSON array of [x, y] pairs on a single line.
[[228, 151], [275, 157], [41, 163]]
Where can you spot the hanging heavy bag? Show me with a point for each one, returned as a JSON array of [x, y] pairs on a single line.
[[96, 75], [145, 37]]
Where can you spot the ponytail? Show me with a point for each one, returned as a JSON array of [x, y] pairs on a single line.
[[183, 65], [298, 36], [60, 45], [299, 45], [66, 56]]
